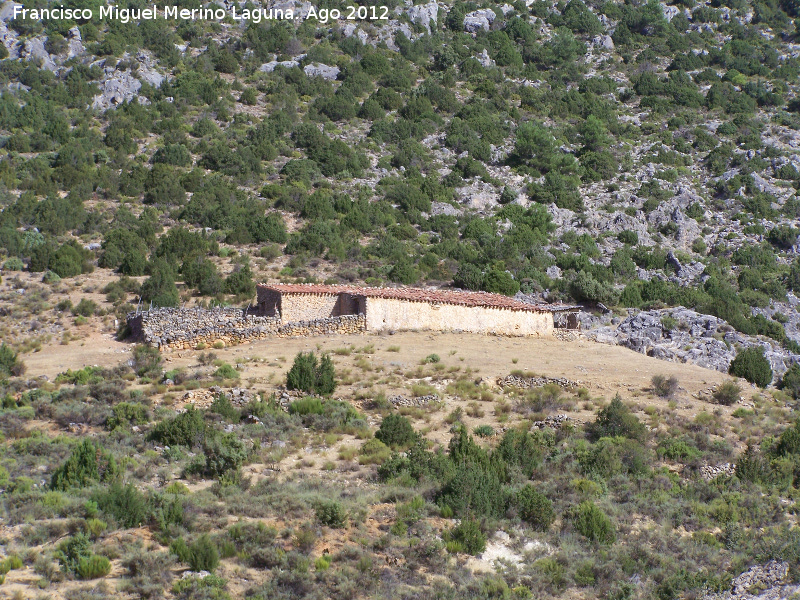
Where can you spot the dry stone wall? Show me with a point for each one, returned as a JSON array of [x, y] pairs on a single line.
[[307, 307], [184, 329]]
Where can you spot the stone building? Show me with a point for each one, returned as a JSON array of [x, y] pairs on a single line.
[[409, 308]]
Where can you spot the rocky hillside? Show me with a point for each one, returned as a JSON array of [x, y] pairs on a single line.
[[639, 158], [637, 155]]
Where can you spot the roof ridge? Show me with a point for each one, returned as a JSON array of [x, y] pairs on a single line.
[[479, 298]]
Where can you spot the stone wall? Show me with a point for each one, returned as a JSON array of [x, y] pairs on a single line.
[[184, 329], [342, 325], [307, 307], [390, 314]]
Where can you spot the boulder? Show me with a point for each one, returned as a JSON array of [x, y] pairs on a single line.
[[485, 60], [669, 11], [479, 19], [424, 14], [34, 50], [119, 87], [321, 70], [270, 66], [603, 41], [75, 43]]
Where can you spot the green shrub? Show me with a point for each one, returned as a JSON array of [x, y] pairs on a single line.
[[534, 508], [312, 376], [396, 432], [373, 452], [225, 371], [752, 365], [50, 278], [126, 504], [85, 308], [86, 464], [468, 537], [127, 413], [727, 393], [187, 429], [306, 406], [674, 449], [93, 567], [615, 420], [753, 466], [332, 514], [203, 554], [789, 442], [146, 361], [223, 407], [484, 431], [224, 453], [593, 523], [664, 387], [14, 264], [9, 362], [70, 551], [790, 383]]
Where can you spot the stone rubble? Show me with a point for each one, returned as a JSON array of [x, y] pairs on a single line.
[[417, 401], [760, 582], [535, 382], [555, 422], [711, 472]]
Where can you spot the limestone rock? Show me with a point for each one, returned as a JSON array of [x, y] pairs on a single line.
[[75, 43], [603, 41], [352, 30], [703, 340], [443, 208], [300, 9], [424, 14], [485, 60], [321, 70], [669, 11], [479, 19], [270, 66], [34, 50], [118, 88]]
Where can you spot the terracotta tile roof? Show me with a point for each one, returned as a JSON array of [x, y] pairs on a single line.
[[484, 299]]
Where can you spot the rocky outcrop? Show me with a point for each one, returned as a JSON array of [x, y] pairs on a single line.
[[703, 340], [287, 64], [604, 42], [760, 582], [117, 88], [320, 70], [424, 14], [34, 50], [479, 20], [485, 60]]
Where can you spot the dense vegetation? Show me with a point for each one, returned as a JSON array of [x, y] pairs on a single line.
[[193, 186]]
